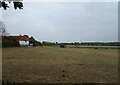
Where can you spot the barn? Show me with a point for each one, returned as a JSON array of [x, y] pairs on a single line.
[[23, 40]]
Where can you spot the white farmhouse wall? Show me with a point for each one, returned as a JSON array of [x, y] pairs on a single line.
[[24, 42]]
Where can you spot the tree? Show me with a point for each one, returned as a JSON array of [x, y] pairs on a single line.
[[10, 41], [34, 42], [17, 4], [3, 31], [62, 46]]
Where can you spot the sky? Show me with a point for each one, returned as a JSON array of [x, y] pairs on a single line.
[[64, 21]]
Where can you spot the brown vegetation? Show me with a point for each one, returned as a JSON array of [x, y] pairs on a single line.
[[60, 65]]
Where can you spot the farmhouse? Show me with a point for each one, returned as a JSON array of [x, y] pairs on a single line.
[[23, 40]]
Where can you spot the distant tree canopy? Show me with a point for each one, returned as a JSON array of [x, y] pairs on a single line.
[[10, 41], [16, 3], [46, 43], [62, 45], [34, 42]]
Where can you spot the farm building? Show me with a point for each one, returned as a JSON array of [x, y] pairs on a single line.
[[23, 40]]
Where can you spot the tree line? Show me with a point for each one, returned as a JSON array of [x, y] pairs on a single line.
[[11, 41], [82, 43]]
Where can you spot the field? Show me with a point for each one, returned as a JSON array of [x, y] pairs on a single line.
[[60, 65]]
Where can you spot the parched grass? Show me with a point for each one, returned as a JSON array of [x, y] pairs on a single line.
[[94, 47], [60, 65]]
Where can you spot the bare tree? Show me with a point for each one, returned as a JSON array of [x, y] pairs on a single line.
[[3, 30]]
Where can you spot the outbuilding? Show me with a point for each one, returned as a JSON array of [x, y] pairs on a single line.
[[23, 40]]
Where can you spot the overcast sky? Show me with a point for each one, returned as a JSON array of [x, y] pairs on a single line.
[[65, 21]]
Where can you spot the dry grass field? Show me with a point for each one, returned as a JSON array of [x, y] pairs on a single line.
[[60, 65]]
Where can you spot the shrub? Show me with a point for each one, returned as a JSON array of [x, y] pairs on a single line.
[[62, 46], [10, 41]]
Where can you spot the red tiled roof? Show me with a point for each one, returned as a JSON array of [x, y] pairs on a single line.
[[22, 38]]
